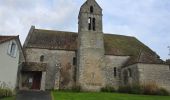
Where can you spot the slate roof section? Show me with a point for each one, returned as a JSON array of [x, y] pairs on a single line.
[[6, 38], [46, 39], [118, 45]]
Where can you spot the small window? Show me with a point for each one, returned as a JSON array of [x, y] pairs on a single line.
[[94, 24], [89, 23], [13, 48], [74, 61], [130, 72], [115, 71], [42, 58], [91, 9]]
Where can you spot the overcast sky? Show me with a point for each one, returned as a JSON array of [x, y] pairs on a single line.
[[148, 20]]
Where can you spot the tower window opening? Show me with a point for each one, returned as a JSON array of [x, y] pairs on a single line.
[[94, 24], [91, 9], [89, 23], [115, 71]]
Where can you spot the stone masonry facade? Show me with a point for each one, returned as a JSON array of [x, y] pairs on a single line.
[[89, 59]]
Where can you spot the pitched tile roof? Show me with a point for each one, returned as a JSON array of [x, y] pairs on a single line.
[[114, 45], [53, 40], [6, 38]]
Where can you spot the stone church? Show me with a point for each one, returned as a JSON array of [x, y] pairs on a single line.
[[88, 58]]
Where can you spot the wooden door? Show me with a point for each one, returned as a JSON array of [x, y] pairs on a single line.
[[37, 80]]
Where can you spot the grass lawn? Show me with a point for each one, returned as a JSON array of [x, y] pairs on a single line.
[[104, 96], [8, 98]]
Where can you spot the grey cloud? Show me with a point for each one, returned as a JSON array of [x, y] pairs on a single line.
[[148, 20]]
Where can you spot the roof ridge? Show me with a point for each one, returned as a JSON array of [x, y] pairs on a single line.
[[6, 38], [9, 35], [56, 31], [119, 35]]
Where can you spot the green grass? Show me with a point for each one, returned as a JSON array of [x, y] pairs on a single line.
[[8, 98], [104, 96]]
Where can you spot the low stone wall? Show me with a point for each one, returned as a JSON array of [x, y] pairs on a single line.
[[157, 73]]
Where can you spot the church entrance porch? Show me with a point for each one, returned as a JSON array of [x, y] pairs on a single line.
[[33, 76], [31, 80]]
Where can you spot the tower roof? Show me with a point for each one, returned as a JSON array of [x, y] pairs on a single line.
[[85, 7]]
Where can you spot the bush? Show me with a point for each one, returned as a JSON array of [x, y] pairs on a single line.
[[5, 93], [73, 89], [162, 92], [76, 89], [108, 89], [150, 89], [147, 89], [136, 89], [124, 89], [131, 89], [4, 90]]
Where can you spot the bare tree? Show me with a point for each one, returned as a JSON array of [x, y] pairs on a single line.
[[169, 50]]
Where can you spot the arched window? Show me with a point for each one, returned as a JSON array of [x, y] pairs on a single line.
[[130, 72], [91, 9], [89, 23], [42, 58], [94, 24]]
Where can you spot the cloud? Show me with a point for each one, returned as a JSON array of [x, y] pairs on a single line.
[[148, 20], [16, 16]]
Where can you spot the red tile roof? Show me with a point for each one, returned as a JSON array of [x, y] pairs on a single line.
[[6, 38]]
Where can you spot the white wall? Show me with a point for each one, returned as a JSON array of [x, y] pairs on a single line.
[[8, 65]]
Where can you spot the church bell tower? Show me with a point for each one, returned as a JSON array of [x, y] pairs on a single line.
[[90, 47]]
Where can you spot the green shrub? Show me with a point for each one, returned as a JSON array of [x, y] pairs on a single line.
[[4, 90], [150, 89], [73, 89], [162, 92], [5, 93], [136, 89], [132, 89], [124, 89], [108, 89], [147, 89], [76, 88]]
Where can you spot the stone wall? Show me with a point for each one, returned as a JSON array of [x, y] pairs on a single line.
[[112, 63], [90, 47], [91, 61], [157, 73], [60, 68], [130, 75]]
